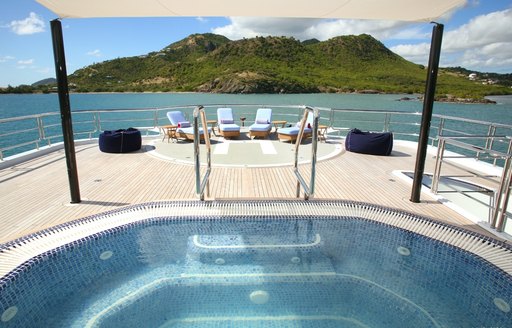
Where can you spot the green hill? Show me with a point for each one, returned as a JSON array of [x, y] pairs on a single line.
[[213, 63]]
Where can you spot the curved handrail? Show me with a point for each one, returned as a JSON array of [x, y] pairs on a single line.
[[205, 182], [309, 191]]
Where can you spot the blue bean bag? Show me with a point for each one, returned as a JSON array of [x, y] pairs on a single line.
[[372, 143], [120, 141]]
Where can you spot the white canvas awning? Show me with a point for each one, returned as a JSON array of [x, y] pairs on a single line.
[[400, 10]]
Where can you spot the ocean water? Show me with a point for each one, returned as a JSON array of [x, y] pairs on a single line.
[[24, 105], [20, 105]]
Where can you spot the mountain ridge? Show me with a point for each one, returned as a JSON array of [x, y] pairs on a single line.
[[213, 63]]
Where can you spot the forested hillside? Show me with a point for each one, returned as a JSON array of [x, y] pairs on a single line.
[[213, 63]]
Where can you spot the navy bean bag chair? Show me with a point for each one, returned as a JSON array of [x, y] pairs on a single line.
[[372, 143], [120, 141]]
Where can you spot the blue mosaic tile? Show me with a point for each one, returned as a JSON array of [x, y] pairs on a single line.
[[200, 272]]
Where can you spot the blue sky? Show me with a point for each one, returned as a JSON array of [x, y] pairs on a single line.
[[477, 37]]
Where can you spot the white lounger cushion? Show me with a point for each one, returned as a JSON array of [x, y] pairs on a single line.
[[263, 121], [225, 120], [177, 118], [260, 127]]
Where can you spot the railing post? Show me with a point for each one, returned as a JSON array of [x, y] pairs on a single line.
[[501, 202], [439, 130], [308, 191], [386, 122], [205, 183], [155, 118], [65, 109], [437, 170], [489, 142], [428, 104]]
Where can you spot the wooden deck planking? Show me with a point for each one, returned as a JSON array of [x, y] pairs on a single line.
[[35, 194]]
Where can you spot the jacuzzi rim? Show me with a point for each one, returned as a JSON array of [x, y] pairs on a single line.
[[14, 257]]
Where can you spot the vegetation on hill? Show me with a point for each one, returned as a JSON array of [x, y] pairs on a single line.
[[45, 82], [213, 63]]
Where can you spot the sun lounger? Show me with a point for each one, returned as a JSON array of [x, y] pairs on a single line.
[[262, 124], [226, 123], [291, 133], [184, 128]]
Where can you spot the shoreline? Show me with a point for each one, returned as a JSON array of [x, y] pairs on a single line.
[[413, 97]]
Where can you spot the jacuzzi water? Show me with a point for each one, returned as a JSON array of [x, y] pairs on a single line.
[[253, 272]]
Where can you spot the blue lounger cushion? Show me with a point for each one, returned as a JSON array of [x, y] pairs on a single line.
[[190, 130], [293, 131], [120, 141], [229, 127], [260, 127], [372, 143]]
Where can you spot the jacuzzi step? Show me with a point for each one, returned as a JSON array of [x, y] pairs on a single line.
[[244, 242], [323, 300], [324, 321]]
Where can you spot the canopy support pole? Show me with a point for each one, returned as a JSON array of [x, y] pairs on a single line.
[[65, 109], [428, 104]]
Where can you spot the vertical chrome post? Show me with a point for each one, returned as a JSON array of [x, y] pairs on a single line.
[[314, 146], [437, 170], [201, 184], [439, 130], [501, 202], [197, 162], [387, 119], [308, 191]]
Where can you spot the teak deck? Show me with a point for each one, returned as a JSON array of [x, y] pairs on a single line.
[[35, 194]]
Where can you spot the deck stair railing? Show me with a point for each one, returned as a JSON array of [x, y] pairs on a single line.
[[485, 135], [309, 190], [498, 207], [201, 184]]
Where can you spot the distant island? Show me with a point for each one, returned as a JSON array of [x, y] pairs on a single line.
[[213, 63]]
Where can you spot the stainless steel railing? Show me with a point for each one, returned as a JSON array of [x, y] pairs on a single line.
[[25, 133], [201, 184], [309, 190], [501, 194]]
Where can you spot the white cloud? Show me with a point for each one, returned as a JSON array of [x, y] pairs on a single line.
[[95, 53], [302, 28], [483, 44], [4, 59], [201, 19], [480, 31], [417, 53], [30, 25], [377, 28], [248, 27], [25, 62]]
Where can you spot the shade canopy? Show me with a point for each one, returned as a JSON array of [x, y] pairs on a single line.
[[399, 10]]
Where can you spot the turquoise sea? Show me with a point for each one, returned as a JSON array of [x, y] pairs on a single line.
[[19, 105], [22, 105]]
